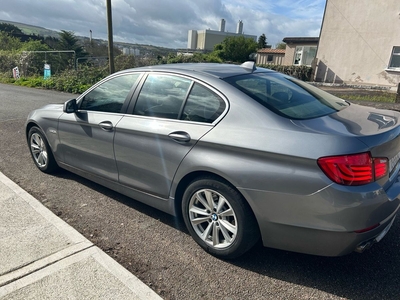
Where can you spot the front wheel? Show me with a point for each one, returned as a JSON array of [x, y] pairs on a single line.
[[40, 151], [218, 218]]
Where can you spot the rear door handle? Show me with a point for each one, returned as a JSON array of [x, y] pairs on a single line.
[[180, 136], [106, 125]]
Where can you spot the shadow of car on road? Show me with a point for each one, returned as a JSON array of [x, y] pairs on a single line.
[[370, 275]]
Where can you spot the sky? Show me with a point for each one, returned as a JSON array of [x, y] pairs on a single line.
[[165, 23]]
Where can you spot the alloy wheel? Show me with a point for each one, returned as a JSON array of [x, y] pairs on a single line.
[[39, 150], [213, 218]]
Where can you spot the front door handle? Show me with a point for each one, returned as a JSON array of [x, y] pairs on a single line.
[[106, 125], [180, 136]]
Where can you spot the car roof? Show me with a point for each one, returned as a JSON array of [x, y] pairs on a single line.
[[213, 69]]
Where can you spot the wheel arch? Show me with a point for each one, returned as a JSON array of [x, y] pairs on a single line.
[[190, 177], [51, 164], [28, 127], [241, 216]]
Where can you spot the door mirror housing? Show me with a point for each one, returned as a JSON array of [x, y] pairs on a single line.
[[70, 106]]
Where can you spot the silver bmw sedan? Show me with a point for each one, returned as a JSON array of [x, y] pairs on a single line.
[[241, 153]]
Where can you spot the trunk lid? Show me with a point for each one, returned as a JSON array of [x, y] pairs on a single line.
[[378, 129], [355, 120]]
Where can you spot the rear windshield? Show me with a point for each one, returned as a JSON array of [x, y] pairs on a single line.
[[287, 96]]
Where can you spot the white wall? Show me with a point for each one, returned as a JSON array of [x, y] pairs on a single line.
[[356, 42]]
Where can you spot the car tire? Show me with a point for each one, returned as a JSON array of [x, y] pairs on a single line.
[[41, 151], [218, 218]]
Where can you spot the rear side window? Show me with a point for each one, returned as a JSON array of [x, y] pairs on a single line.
[[203, 105], [162, 96], [287, 96]]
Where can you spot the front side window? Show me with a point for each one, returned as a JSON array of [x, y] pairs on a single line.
[[270, 58], [110, 95], [395, 58], [162, 96], [287, 96], [203, 105]]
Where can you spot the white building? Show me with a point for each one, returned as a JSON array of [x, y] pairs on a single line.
[[207, 39], [360, 43], [130, 51]]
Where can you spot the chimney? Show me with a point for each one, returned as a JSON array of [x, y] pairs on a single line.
[[222, 25], [239, 28]]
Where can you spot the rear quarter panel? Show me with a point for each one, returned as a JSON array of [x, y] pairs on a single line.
[[254, 148]]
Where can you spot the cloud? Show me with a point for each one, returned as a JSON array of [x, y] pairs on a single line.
[[166, 22], [283, 18]]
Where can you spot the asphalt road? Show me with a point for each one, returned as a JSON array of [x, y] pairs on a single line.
[[157, 248]]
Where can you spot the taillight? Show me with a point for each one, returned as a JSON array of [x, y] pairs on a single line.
[[355, 169], [368, 228]]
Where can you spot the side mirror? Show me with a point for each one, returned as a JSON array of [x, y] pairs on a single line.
[[70, 106]]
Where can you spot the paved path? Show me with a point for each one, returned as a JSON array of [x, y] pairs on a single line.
[[42, 257]]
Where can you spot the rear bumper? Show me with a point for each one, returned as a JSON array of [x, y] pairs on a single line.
[[320, 242], [369, 243], [324, 223]]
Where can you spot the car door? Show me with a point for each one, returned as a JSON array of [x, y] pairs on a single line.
[[86, 136], [170, 115]]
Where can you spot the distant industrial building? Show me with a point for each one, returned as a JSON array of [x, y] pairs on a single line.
[[130, 51], [207, 39]]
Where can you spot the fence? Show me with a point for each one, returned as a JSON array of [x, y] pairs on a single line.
[[32, 63]]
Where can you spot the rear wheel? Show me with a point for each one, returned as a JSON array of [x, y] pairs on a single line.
[[40, 151], [218, 218]]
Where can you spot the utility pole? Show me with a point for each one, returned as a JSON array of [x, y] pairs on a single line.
[[110, 38]]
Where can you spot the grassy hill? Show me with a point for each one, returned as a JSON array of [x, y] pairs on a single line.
[[31, 29], [144, 49]]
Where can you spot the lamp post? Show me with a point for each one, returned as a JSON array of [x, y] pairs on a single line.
[[110, 38]]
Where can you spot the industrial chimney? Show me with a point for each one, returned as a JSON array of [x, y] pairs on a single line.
[[239, 28], [222, 25]]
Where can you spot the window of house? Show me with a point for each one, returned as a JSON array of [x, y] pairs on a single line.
[[110, 95], [270, 58], [304, 55], [162, 96], [395, 58], [203, 105]]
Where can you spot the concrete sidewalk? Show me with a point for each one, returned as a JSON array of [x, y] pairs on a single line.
[[42, 257]]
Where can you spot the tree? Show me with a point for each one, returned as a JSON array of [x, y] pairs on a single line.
[[32, 62], [8, 42], [68, 41], [94, 48], [52, 42], [236, 48], [281, 45], [34, 46], [262, 41]]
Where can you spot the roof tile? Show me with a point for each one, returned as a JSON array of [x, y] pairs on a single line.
[[271, 51]]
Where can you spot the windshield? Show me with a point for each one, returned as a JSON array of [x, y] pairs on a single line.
[[287, 96]]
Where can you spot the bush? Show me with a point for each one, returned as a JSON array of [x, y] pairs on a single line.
[[195, 58], [30, 82], [7, 77], [8, 61], [70, 81], [300, 72]]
